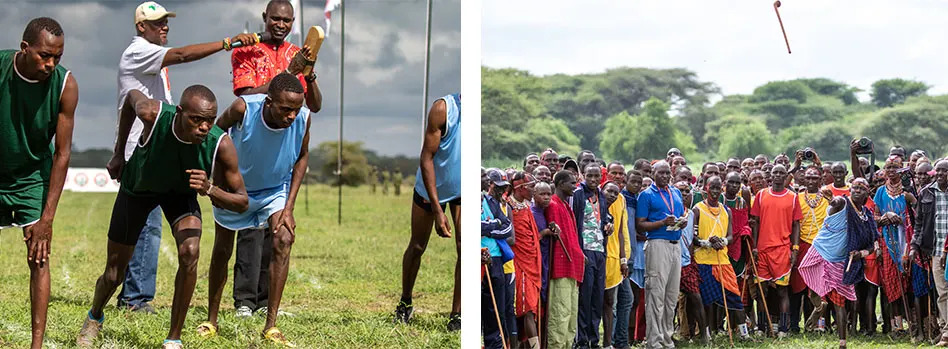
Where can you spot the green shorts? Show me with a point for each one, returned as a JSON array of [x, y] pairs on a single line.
[[23, 207]]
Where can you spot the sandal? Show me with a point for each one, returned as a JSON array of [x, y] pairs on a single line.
[[207, 330], [274, 335]]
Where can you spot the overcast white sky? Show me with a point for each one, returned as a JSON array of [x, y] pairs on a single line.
[[385, 46], [735, 44]]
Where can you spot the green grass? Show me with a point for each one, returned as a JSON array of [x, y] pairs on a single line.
[[343, 283]]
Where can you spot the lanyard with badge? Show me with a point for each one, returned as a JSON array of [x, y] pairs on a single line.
[[670, 204]]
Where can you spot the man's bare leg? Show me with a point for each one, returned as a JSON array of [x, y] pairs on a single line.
[[217, 275], [456, 303], [279, 267], [187, 235], [116, 262], [39, 298], [421, 223]]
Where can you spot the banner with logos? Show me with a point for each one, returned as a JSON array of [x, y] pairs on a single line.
[[90, 180]]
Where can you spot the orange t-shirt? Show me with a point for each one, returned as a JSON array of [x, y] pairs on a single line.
[[871, 205], [256, 65], [776, 212]]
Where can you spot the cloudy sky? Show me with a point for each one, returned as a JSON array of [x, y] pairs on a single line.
[[735, 44], [384, 72]]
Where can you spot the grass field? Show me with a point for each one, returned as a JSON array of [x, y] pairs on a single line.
[[343, 284]]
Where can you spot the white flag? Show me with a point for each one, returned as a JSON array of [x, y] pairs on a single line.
[[330, 6]]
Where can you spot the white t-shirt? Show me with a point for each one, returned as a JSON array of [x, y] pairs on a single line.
[[140, 69]]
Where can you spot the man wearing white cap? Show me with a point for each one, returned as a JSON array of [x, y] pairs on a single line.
[[143, 67]]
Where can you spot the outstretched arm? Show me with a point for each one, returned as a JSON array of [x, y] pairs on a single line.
[[195, 52]]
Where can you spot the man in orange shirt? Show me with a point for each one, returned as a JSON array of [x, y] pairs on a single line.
[[777, 234]]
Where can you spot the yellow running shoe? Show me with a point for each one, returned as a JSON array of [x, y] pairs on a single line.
[[275, 336]]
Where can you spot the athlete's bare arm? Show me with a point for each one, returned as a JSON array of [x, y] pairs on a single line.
[[299, 171], [136, 105], [38, 235], [233, 115], [230, 193], [437, 121]]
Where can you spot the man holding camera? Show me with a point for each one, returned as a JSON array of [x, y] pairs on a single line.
[[659, 213]]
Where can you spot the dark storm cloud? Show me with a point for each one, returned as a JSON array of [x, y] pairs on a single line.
[[383, 70]]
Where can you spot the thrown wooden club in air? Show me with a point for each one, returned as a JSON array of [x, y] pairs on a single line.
[[314, 39], [777, 5]]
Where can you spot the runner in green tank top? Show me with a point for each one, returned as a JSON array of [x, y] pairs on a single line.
[[37, 102], [179, 151]]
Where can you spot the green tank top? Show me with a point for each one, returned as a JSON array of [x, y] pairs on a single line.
[[159, 162], [29, 111]]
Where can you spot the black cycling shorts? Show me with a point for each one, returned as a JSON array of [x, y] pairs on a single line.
[[130, 213], [426, 205]]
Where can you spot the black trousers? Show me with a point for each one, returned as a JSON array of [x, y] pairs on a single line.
[[252, 268]]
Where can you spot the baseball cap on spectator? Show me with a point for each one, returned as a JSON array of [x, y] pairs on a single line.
[[498, 177], [151, 11]]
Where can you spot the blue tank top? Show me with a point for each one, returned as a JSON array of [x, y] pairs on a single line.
[[265, 155], [447, 160]]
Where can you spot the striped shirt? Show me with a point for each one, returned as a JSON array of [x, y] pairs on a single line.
[[941, 219]]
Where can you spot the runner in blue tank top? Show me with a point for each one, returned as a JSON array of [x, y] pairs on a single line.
[[271, 134], [437, 183]]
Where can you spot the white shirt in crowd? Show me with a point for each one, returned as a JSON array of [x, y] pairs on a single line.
[[140, 69]]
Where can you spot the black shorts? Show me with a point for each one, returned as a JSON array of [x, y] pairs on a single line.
[[130, 213], [426, 205]]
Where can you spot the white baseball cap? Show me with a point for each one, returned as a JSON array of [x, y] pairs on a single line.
[[150, 11]]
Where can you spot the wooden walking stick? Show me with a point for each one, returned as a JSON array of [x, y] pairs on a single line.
[[763, 298], [777, 5], [493, 300], [727, 316]]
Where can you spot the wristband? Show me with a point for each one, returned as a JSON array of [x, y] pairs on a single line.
[[210, 190], [226, 44], [796, 247], [725, 241], [624, 260]]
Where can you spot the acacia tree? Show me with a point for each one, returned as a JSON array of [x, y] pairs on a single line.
[[889, 92], [647, 135]]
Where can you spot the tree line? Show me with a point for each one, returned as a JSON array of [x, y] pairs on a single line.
[[359, 165], [629, 113]]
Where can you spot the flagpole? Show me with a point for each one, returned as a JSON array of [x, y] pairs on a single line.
[[342, 70], [424, 101], [303, 29]]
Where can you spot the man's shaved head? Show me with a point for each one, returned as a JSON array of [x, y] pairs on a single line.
[[33, 29]]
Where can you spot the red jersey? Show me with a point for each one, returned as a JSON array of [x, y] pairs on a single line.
[[254, 66], [776, 212]]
